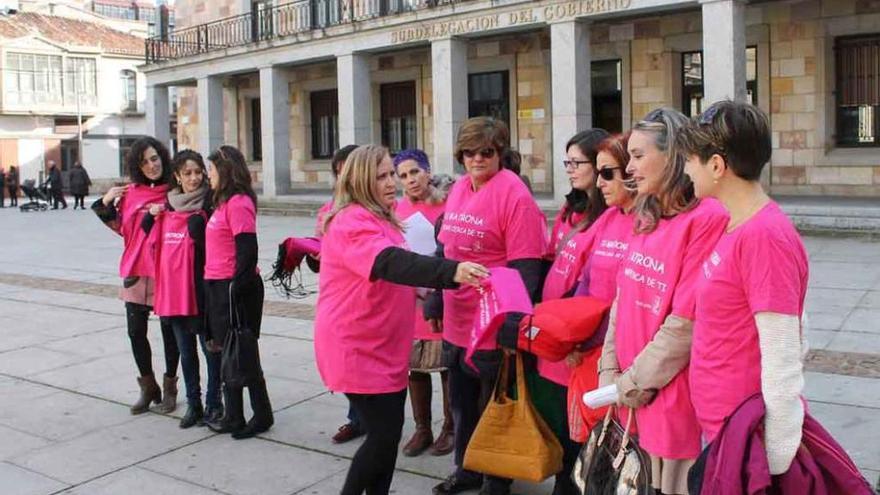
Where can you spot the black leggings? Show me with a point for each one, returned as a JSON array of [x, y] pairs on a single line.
[[137, 316], [372, 467], [79, 200]]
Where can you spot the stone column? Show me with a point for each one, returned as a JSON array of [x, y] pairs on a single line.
[[275, 122], [724, 51], [210, 106], [449, 85], [355, 99], [571, 93], [158, 118]]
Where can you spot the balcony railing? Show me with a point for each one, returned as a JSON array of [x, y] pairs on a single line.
[[275, 22]]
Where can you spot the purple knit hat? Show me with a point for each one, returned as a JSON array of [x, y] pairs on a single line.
[[418, 155]]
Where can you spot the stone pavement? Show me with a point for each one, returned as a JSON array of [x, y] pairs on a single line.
[[67, 376]]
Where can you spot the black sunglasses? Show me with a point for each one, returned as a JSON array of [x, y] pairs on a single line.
[[607, 173], [486, 153]]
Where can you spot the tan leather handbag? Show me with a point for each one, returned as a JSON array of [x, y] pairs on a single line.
[[511, 439]]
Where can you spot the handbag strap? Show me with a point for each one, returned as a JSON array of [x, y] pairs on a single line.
[[234, 314], [500, 392], [522, 391], [624, 442]]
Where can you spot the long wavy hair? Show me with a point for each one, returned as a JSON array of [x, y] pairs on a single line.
[[135, 157], [235, 178], [179, 162], [591, 201], [357, 185], [676, 192]]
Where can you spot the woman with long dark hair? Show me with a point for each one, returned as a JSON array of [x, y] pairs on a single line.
[[233, 283], [180, 269], [122, 209], [364, 318]]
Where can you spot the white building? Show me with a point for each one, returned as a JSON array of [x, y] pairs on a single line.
[[60, 70]]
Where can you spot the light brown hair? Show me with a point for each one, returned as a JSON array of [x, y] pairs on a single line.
[[357, 184]]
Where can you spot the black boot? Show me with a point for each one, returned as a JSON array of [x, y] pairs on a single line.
[[193, 416], [233, 420], [263, 418], [213, 414]]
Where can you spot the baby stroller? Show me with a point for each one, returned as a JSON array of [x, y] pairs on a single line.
[[38, 197]]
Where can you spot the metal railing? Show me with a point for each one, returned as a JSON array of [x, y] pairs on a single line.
[[274, 22]]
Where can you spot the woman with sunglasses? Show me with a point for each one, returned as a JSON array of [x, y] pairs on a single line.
[[122, 209], [233, 284], [750, 301], [647, 346], [364, 317], [492, 219]]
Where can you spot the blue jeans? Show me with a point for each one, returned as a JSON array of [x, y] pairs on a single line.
[[353, 418], [184, 333]]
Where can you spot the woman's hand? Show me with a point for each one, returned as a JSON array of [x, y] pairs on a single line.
[[470, 273], [156, 208], [113, 194], [574, 358]]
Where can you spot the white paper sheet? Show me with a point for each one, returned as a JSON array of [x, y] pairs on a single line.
[[419, 234], [603, 396]]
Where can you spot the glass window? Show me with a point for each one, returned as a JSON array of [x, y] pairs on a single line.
[[857, 75], [607, 87], [129, 90], [256, 131], [125, 145], [325, 123], [692, 80], [489, 95], [31, 78], [80, 78], [398, 102]]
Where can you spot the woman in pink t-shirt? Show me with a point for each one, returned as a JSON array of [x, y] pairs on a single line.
[[420, 197], [570, 240], [233, 283], [647, 346], [180, 266], [364, 318], [491, 218], [747, 333], [122, 209]]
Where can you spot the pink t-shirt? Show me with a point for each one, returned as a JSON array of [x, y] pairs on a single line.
[[362, 338], [495, 225], [759, 267], [405, 209], [596, 255], [175, 293], [560, 229], [322, 214], [236, 216], [657, 278], [138, 256]]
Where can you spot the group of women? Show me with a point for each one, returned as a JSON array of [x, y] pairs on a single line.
[[190, 257], [667, 223]]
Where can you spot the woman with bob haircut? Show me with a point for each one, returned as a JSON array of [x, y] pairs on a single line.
[[363, 330], [749, 305], [656, 298], [491, 218], [232, 282], [122, 209]]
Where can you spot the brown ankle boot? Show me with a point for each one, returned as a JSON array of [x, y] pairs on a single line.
[[420, 396], [149, 393], [446, 440], [169, 395]]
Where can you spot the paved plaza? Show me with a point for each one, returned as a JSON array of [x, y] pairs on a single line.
[[67, 376]]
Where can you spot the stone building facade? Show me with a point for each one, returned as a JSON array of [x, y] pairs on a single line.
[[404, 72]]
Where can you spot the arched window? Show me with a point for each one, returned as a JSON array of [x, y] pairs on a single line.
[[129, 90]]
